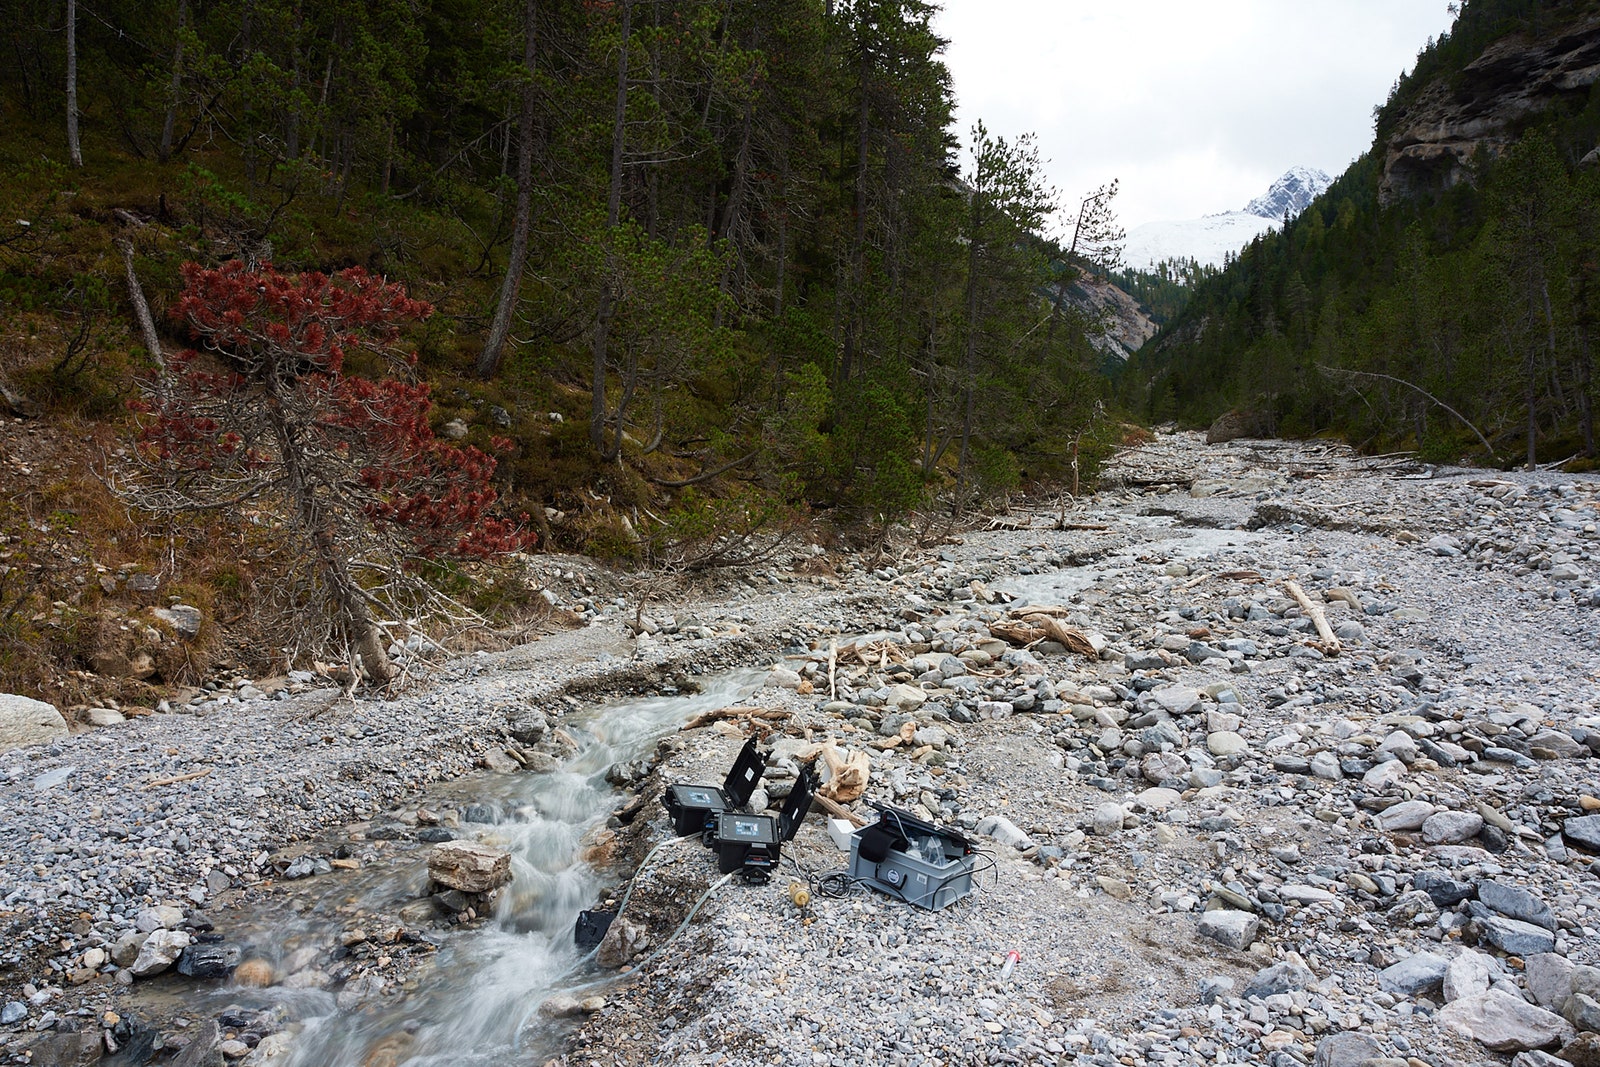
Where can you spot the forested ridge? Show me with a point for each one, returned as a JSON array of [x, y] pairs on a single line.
[[692, 270], [1443, 294]]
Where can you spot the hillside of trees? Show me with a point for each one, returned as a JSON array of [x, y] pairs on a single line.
[[1164, 289], [689, 271], [1459, 320]]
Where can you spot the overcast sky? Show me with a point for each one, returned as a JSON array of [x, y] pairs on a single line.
[[1196, 105]]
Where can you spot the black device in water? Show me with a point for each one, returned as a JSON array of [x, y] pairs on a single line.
[[591, 928]]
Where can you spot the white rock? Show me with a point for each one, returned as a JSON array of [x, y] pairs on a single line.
[[1004, 831], [1451, 827], [1176, 699], [783, 678], [1402, 744], [1235, 929], [1383, 775], [1407, 815], [25, 721], [1306, 894], [905, 697], [1157, 799], [1108, 818], [159, 951], [469, 866], [1224, 743], [1470, 975], [160, 917], [1505, 1023]]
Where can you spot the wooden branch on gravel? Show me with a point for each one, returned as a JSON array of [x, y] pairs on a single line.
[[1330, 642], [157, 783], [705, 718], [837, 810], [1031, 624]]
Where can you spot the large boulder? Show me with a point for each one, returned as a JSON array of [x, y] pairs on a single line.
[[159, 952], [622, 944], [1232, 426], [1505, 1023], [25, 721], [469, 866]]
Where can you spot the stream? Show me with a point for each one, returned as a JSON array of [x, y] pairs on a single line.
[[478, 1002]]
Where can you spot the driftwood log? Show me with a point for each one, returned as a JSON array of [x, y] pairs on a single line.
[[706, 718], [1026, 626], [1330, 642], [837, 810]]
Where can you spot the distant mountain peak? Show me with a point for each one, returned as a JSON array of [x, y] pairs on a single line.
[[1292, 193], [1211, 239]]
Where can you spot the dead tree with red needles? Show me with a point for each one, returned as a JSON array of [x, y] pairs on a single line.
[[264, 416]]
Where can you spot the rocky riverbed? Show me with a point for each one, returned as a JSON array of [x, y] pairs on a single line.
[[1216, 832]]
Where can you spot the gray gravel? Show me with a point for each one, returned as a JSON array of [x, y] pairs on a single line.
[[1215, 842], [1244, 849]]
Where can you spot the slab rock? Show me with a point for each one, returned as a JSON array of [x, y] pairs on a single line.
[[1517, 937], [469, 866], [1504, 1023], [1415, 974], [1583, 830], [1470, 975], [1347, 1049], [1549, 979], [25, 721], [1515, 902], [1235, 929]]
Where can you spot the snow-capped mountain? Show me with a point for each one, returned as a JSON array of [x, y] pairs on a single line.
[[1291, 193], [1207, 240], [1213, 237]]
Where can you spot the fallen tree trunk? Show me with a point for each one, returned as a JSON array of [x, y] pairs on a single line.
[[1036, 624], [705, 718], [1330, 642]]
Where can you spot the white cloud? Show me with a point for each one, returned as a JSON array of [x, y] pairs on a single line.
[[1196, 105]]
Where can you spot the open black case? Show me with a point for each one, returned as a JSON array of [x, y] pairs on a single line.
[[753, 843], [694, 808]]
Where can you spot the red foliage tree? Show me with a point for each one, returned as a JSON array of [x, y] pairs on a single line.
[[274, 421]]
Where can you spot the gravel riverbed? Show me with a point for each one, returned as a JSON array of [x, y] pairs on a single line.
[[1217, 838]]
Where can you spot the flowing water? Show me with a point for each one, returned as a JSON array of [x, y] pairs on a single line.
[[478, 1005]]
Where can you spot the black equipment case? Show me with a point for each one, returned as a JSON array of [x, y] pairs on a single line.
[[694, 808], [753, 843]]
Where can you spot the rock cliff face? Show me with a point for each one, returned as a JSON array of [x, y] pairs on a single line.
[[1127, 325], [1454, 121]]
